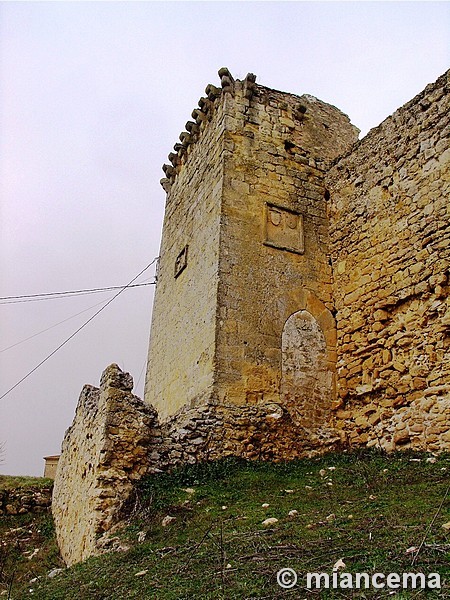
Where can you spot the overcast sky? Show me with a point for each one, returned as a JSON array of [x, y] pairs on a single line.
[[92, 98]]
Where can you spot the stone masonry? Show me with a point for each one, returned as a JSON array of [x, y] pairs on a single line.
[[104, 452], [302, 302], [244, 248], [116, 438], [24, 500], [390, 249]]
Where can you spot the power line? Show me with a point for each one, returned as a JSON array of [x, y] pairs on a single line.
[[66, 294], [30, 337], [77, 330]]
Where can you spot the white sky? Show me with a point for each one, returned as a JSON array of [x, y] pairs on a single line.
[[92, 98]]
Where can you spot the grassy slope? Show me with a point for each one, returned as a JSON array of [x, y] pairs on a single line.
[[364, 508], [27, 544]]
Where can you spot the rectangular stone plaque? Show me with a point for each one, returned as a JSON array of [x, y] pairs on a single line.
[[181, 261], [283, 229]]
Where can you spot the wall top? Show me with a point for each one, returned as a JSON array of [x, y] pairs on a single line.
[[249, 92]]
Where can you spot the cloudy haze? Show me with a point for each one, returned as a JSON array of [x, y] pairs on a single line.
[[92, 98]]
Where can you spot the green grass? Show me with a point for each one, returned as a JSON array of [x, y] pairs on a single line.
[[9, 482], [27, 542], [377, 508]]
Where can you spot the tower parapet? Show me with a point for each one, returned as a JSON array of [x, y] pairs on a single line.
[[202, 116], [248, 89]]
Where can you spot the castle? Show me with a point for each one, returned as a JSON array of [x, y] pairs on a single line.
[[302, 301]]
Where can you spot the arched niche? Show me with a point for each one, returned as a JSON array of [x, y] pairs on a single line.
[[308, 367]]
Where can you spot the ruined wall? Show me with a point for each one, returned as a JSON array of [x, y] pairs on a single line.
[[116, 438], [262, 432], [390, 247], [106, 449], [243, 348], [20, 501]]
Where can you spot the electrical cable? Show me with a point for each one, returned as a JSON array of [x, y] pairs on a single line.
[[141, 373], [67, 294], [30, 337], [77, 330]]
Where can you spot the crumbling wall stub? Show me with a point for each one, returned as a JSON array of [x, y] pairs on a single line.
[[104, 452], [116, 438], [21, 501], [390, 247], [263, 432]]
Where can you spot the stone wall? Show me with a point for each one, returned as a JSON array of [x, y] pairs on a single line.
[[390, 249], [182, 342], [20, 501], [115, 439], [262, 432], [274, 242], [289, 275], [104, 452]]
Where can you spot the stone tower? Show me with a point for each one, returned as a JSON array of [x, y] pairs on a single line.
[[257, 293], [243, 305]]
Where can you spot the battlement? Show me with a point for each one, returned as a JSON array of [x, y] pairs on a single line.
[[193, 129], [319, 122]]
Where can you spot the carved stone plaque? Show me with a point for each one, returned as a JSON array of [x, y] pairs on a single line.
[[284, 229], [181, 261]]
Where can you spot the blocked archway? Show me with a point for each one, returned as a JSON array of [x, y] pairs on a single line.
[[308, 370]]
